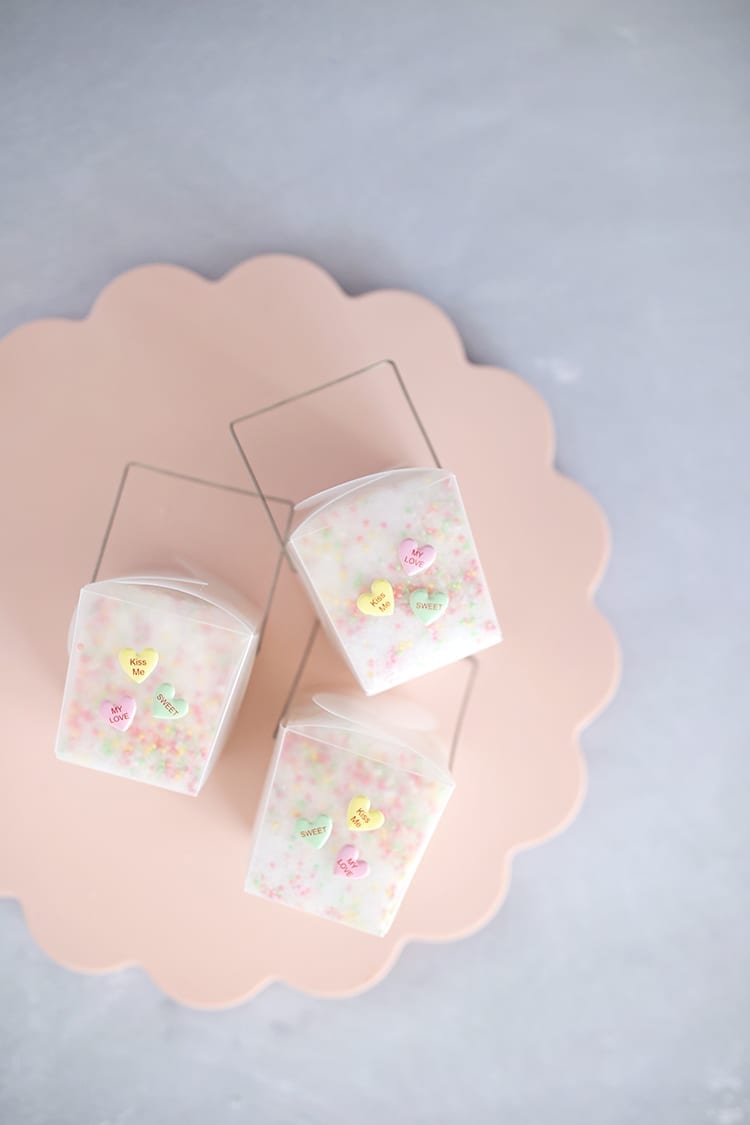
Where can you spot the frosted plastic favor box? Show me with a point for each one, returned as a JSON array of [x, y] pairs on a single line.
[[158, 667], [350, 805], [391, 565]]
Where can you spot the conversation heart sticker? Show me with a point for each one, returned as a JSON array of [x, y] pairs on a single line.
[[314, 832], [415, 559], [379, 602], [360, 817], [349, 865], [138, 665], [120, 714], [166, 706], [428, 607]]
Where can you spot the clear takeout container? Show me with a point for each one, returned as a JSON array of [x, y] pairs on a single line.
[[352, 799], [158, 667], [392, 567]]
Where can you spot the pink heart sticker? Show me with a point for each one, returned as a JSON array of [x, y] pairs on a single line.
[[348, 865], [415, 559], [120, 714]]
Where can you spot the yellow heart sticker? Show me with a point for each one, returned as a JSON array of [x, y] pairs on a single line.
[[360, 817], [379, 602], [138, 665]]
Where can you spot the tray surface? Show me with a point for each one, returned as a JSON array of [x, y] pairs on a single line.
[[115, 448]]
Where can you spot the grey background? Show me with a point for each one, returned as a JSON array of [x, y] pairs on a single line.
[[570, 181]]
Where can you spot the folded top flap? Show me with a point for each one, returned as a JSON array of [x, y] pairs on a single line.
[[206, 599], [398, 733], [310, 514]]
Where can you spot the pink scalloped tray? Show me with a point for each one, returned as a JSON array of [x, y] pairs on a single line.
[[116, 450]]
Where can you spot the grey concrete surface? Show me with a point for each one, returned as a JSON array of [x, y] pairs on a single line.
[[570, 180]]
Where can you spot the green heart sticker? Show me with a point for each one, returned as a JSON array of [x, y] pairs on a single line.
[[165, 706], [428, 606], [314, 832]]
